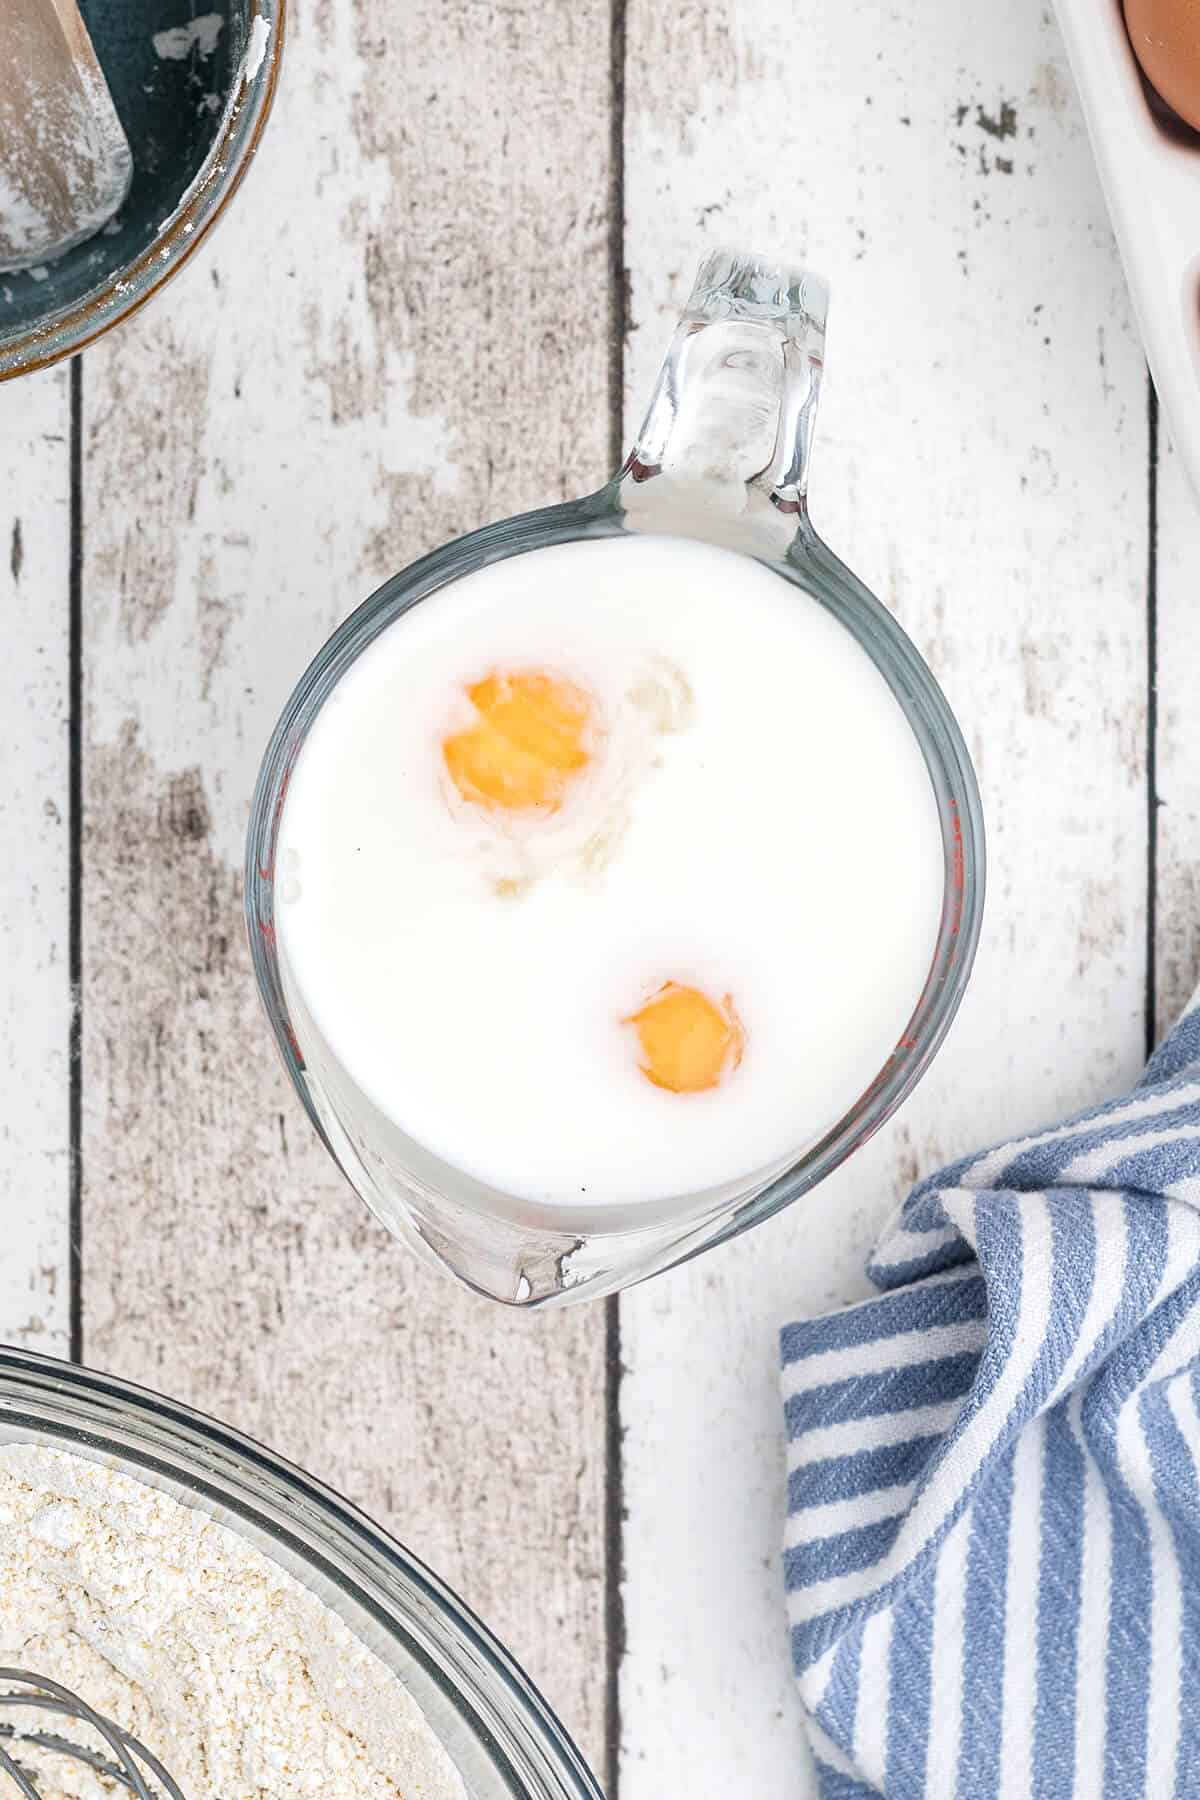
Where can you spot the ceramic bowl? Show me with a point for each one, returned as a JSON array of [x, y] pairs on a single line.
[[1149, 163], [193, 85]]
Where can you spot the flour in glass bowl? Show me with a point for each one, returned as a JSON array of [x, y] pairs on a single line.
[[240, 1679]]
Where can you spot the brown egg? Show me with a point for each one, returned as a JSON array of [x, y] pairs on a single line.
[[1165, 35]]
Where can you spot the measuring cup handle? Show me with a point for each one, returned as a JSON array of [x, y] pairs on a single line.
[[733, 409]]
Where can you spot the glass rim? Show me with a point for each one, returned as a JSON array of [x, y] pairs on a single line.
[[133, 1424], [80, 323], [929, 716]]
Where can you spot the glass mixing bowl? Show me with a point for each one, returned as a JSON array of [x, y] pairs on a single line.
[[498, 1730]]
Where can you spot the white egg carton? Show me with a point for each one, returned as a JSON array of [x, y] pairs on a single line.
[[1150, 171]]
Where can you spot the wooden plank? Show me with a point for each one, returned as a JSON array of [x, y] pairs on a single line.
[[981, 462], [400, 332], [35, 993], [1178, 739]]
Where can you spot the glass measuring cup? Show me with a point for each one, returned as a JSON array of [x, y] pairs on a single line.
[[722, 457]]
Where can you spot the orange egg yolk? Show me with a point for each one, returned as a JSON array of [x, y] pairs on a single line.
[[688, 1041], [527, 744]]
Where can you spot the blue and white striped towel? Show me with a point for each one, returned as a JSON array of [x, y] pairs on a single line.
[[993, 1537]]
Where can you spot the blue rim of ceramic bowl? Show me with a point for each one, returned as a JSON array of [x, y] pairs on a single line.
[[73, 327], [103, 1414]]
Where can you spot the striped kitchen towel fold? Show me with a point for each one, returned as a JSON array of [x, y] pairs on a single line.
[[993, 1538]]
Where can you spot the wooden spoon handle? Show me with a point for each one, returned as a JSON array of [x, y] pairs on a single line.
[[65, 164]]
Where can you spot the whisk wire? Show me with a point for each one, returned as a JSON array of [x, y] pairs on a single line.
[[18, 1774], [41, 1694]]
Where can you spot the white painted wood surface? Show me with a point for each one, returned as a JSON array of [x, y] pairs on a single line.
[[405, 327], [35, 997], [400, 331], [981, 462], [1177, 884]]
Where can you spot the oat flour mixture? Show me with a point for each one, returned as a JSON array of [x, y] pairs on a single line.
[[244, 1683]]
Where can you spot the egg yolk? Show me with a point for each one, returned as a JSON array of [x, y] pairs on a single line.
[[688, 1041], [527, 744]]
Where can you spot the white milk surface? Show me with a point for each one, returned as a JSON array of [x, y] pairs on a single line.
[[757, 821]]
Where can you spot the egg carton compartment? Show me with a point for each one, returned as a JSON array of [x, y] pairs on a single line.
[[1149, 164]]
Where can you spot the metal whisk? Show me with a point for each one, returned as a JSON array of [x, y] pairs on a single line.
[[18, 1688]]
